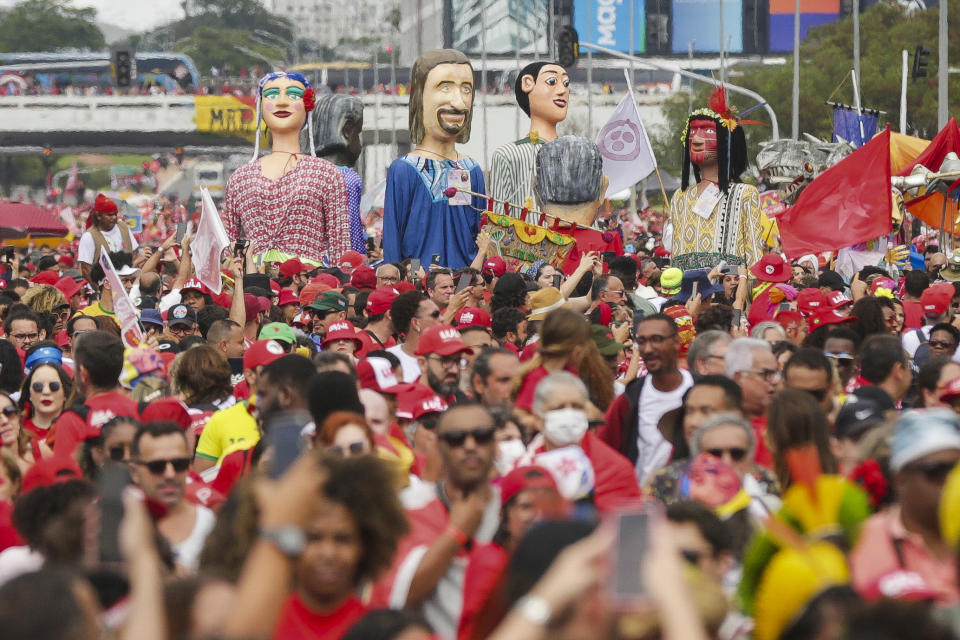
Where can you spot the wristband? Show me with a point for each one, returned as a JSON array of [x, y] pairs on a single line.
[[742, 277], [457, 534]]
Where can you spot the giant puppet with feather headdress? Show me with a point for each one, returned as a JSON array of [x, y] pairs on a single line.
[[717, 214], [288, 204]]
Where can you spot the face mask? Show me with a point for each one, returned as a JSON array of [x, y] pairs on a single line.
[[508, 452], [565, 426]]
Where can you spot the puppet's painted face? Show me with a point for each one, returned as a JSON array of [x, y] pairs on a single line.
[[711, 481], [447, 101], [702, 141], [549, 94], [282, 105]]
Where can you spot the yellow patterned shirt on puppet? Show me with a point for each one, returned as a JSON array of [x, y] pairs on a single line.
[[736, 228]]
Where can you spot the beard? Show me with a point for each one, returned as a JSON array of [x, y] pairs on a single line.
[[449, 127], [441, 386]]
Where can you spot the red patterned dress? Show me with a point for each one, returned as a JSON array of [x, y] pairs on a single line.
[[302, 214]]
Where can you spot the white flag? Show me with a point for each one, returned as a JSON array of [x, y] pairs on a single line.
[[625, 147], [130, 330], [208, 245]]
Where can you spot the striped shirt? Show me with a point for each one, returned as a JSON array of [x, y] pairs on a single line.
[[511, 175]]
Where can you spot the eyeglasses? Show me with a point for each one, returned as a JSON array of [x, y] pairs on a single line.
[[121, 452], [935, 472], [737, 454], [458, 437], [354, 448], [448, 362], [818, 394], [179, 329], [37, 386], [23, 337], [770, 375], [62, 314], [157, 467], [388, 279], [616, 292], [654, 340], [9, 411], [942, 344], [434, 314]]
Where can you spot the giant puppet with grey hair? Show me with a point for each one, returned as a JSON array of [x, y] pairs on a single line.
[[337, 126], [288, 204], [419, 219]]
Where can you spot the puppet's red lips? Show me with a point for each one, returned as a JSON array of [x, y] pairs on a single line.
[[282, 114], [560, 103]]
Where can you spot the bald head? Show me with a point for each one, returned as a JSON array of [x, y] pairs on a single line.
[[375, 410]]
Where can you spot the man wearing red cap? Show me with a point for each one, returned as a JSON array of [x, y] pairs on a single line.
[[349, 261], [292, 275], [379, 323], [440, 353], [935, 305], [103, 234]]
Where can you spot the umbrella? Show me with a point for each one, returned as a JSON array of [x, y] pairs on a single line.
[[18, 220]]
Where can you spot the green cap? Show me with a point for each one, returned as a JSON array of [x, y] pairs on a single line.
[[277, 331], [670, 280], [329, 301], [603, 338]]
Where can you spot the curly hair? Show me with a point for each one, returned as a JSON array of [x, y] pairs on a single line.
[[202, 374], [42, 298]]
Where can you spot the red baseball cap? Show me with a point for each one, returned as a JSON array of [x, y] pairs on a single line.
[[47, 472], [194, 284], [68, 287], [495, 266], [951, 391], [262, 352], [473, 317], [828, 316], [352, 258], [328, 279], [837, 299], [935, 300], [167, 409], [377, 374], [771, 268], [418, 402], [342, 330], [65, 261], [899, 584], [46, 277], [287, 297], [526, 477], [442, 340], [292, 267], [380, 300], [405, 286], [254, 305], [310, 292], [363, 277], [811, 300]]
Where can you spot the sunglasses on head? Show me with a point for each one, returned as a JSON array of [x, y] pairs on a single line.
[[934, 471], [736, 453], [38, 386], [355, 449], [458, 437], [157, 467]]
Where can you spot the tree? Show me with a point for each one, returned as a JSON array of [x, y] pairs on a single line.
[[227, 48], [49, 25]]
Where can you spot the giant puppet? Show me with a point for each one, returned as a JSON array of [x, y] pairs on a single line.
[[337, 126], [288, 204], [717, 214], [419, 219], [542, 91]]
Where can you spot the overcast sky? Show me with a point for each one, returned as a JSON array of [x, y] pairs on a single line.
[[135, 15]]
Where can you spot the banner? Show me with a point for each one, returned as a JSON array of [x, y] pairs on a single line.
[[208, 243], [607, 23], [226, 115], [846, 125], [130, 330], [625, 147]]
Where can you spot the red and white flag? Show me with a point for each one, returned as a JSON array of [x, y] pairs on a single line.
[[130, 330], [208, 244]]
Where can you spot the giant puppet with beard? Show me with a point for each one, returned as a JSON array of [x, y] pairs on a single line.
[[419, 218], [542, 90], [288, 204], [717, 214]]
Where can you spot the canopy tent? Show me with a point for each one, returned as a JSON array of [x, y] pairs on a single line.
[[19, 220]]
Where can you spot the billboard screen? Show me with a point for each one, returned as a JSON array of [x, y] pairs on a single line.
[[698, 22], [607, 23]]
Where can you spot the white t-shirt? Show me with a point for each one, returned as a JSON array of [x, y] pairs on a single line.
[[653, 451], [114, 240], [411, 368], [188, 552], [911, 342]]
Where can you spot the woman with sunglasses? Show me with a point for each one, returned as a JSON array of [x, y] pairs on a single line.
[[113, 444], [17, 440], [345, 434], [46, 392]]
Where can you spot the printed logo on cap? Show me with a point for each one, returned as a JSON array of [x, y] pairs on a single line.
[[770, 269], [449, 334], [274, 348], [383, 372], [180, 312], [466, 316], [433, 404], [338, 326]]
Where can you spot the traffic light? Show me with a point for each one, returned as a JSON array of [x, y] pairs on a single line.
[[921, 58], [124, 67], [568, 47]]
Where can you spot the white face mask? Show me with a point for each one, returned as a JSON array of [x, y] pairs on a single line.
[[565, 426], [508, 452]]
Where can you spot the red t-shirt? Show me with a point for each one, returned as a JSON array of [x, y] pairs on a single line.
[[590, 240], [763, 457], [912, 314], [71, 429], [297, 622]]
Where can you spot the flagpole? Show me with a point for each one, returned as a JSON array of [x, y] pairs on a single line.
[[663, 192]]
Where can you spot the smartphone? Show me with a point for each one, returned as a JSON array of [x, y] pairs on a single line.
[[284, 438], [693, 290], [414, 268], [114, 478], [435, 260], [784, 306], [557, 280], [633, 529], [737, 313], [240, 247], [371, 246], [721, 266], [181, 231], [465, 280]]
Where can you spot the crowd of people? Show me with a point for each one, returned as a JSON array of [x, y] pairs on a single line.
[[378, 450]]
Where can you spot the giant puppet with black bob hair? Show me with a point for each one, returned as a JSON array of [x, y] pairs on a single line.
[[419, 219], [288, 204], [717, 214]]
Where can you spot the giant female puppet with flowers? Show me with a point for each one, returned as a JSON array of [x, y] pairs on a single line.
[[288, 204], [717, 214]]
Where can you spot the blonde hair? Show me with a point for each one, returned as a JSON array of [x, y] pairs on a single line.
[[43, 298]]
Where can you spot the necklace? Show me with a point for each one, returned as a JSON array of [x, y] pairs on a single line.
[[439, 155]]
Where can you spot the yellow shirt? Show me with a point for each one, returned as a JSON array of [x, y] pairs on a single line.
[[96, 309], [228, 430]]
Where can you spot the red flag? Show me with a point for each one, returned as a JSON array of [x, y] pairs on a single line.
[[929, 207], [847, 204]]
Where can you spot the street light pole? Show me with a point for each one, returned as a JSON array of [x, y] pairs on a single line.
[[942, 67]]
